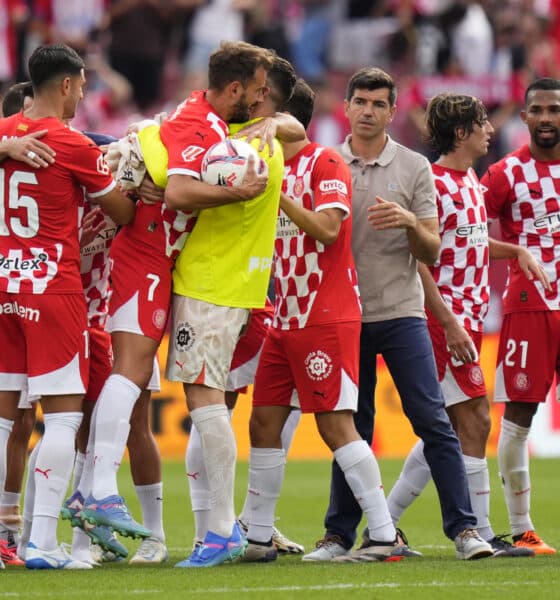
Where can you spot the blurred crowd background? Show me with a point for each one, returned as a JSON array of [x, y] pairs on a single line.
[[144, 56]]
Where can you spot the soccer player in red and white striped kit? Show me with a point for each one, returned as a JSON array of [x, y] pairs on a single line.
[[456, 297]]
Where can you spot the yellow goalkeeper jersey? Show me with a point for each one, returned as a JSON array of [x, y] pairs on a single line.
[[227, 257]]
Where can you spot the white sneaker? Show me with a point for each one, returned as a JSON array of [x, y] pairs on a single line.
[[59, 558], [151, 551], [326, 549], [470, 546]]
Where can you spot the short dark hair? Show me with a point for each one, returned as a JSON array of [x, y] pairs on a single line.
[[300, 105], [448, 112], [372, 78], [281, 79], [546, 83], [51, 62], [236, 61], [13, 99]]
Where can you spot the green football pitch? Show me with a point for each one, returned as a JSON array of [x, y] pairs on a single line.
[[300, 511]]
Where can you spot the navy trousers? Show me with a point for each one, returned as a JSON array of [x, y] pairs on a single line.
[[406, 347]]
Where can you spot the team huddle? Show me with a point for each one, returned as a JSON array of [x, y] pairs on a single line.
[[105, 243]]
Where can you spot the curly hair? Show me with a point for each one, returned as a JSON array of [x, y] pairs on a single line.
[[446, 114]]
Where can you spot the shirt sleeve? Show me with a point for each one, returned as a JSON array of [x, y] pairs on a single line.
[[187, 140], [496, 189], [90, 169], [423, 203], [332, 183]]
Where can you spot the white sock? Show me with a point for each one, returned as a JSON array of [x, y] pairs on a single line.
[[219, 452], [414, 477], [114, 407], [266, 474], [5, 430], [479, 491], [151, 501], [80, 541], [8, 502], [78, 469], [513, 462], [198, 484], [80, 545], [361, 471], [52, 475], [289, 429], [10, 498], [85, 483], [28, 501]]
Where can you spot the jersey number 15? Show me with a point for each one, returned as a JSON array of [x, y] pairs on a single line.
[[11, 199]]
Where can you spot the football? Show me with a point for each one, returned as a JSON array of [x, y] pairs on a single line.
[[225, 163]]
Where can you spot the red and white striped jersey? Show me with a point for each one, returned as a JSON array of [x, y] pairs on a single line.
[[461, 271], [95, 270], [524, 194], [315, 284]]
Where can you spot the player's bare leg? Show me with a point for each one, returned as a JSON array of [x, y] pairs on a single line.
[[17, 448]]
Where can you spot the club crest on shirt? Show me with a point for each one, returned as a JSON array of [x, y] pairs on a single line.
[[298, 187], [318, 365], [184, 337]]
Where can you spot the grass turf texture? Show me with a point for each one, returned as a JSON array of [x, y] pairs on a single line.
[[301, 508]]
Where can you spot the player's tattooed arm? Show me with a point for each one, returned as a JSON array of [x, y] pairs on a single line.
[[28, 149]]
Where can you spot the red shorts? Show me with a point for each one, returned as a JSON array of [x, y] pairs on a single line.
[[528, 356], [141, 285], [248, 350], [44, 339], [459, 381], [100, 363], [320, 363]]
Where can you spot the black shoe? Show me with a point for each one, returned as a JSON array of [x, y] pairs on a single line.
[[503, 548]]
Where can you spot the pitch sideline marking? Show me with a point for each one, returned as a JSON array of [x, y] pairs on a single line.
[[291, 588]]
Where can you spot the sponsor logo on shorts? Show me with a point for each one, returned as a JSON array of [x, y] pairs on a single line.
[[318, 365], [476, 376], [330, 186], [24, 312], [521, 382], [184, 337], [159, 317]]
